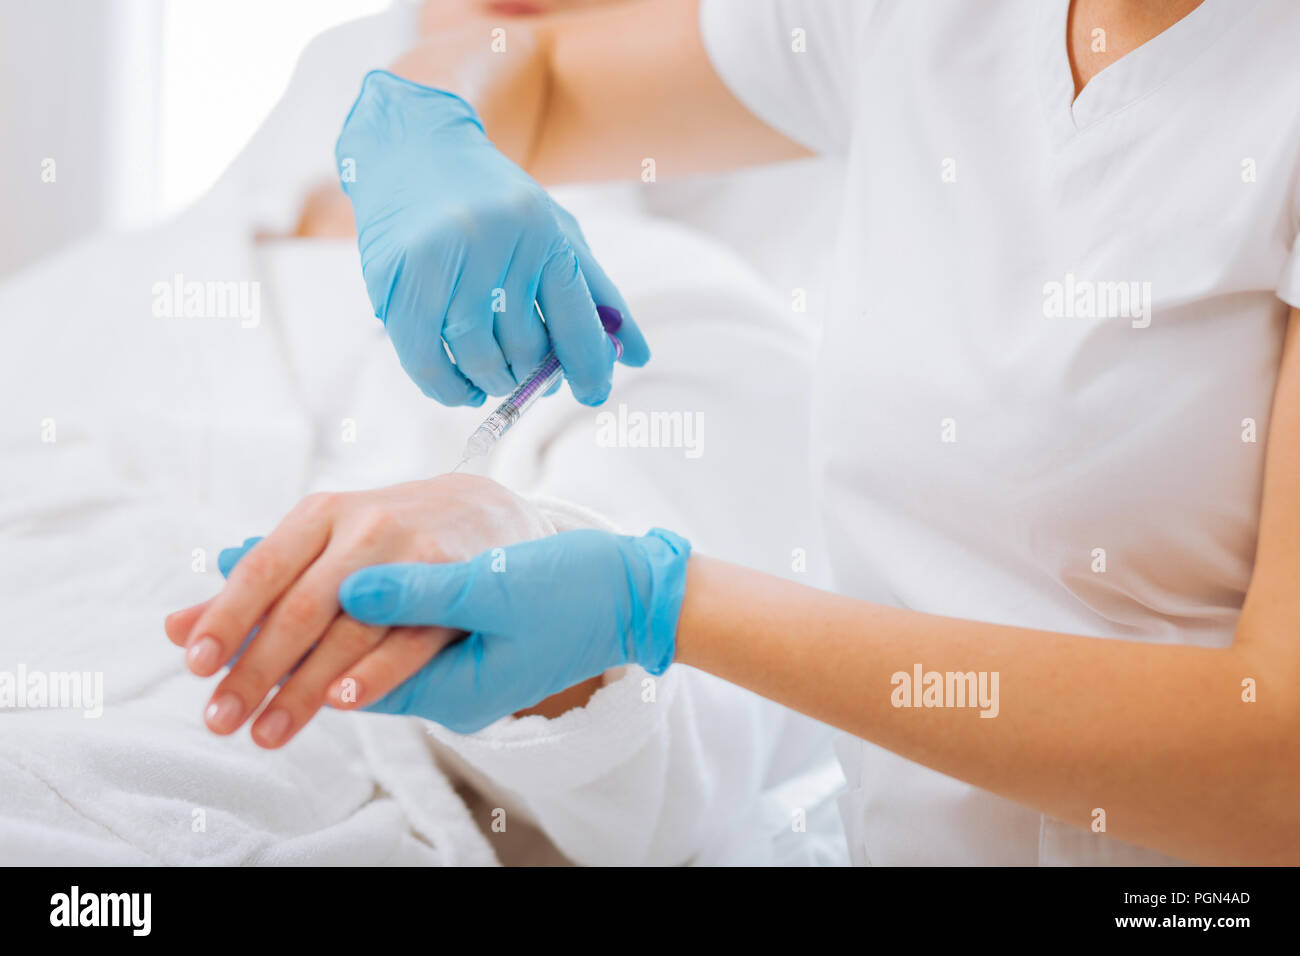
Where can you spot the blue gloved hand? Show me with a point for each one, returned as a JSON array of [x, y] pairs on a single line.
[[460, 245], [229, 557], [543, 615]]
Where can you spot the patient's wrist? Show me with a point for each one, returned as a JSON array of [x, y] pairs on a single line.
[[567, 516], [566, 700]]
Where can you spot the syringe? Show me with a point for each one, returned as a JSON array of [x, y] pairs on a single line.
[[537, 384]]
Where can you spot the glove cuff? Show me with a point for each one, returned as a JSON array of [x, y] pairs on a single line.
[[654, 637]]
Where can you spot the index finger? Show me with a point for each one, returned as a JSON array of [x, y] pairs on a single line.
[[179, 624], [257, 581]]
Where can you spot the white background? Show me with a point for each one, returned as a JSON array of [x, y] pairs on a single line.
[[140, 103]]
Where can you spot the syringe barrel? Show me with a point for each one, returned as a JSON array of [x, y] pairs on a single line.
[[537, 384], [521, 399]]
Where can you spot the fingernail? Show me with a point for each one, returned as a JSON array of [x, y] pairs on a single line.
[[345, 693], [204, 655], [272, 727], [224, 712], [618, 346]]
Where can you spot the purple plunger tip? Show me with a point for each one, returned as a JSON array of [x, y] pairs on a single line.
[[610, 318]]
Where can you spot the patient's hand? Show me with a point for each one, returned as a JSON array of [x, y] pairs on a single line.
[[287, 585]]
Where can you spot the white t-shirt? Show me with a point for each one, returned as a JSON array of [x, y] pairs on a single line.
[[1053, 338]]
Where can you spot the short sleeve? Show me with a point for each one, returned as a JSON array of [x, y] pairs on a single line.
[[792, 63], [1288, 283]]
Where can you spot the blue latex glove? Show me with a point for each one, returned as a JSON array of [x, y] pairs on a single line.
[[229, 557], [460, 245], [556, 611]]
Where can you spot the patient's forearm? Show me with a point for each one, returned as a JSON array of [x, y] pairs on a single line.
[[565, 701]]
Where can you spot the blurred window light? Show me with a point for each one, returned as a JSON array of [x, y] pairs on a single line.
[[224, 65]]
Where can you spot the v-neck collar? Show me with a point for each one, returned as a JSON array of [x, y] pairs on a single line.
[[1129, 78]]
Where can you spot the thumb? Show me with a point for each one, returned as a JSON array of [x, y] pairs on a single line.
[[466, 596]]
